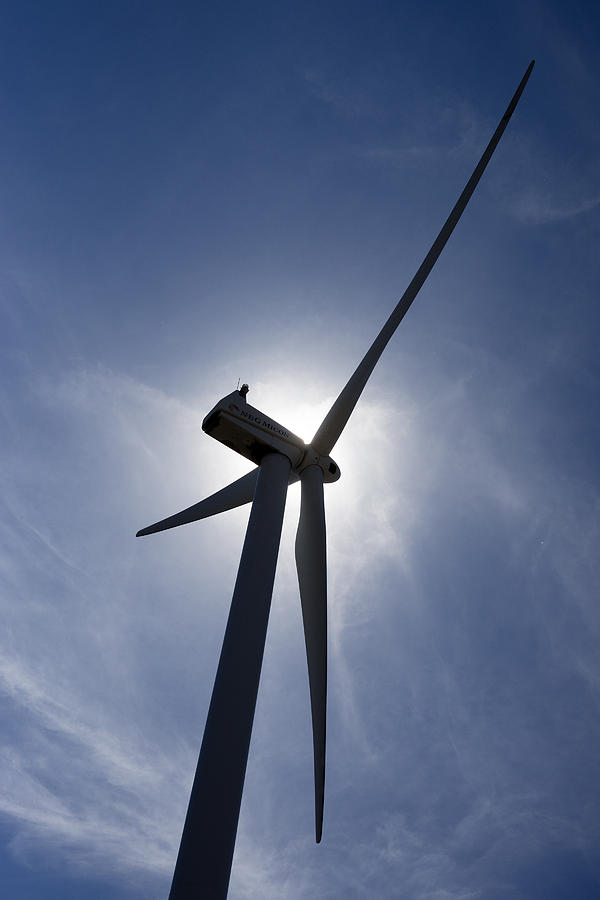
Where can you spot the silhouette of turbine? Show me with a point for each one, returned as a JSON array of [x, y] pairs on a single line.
[[205, 854]]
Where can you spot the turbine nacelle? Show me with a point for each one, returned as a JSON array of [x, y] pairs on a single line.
[[253, 434]]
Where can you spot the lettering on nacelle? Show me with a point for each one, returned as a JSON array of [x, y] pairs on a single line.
[[259, 421]]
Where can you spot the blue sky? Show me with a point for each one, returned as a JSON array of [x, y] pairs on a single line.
[[195, 194]]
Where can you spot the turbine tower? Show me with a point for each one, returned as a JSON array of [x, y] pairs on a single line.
[[205, 854]]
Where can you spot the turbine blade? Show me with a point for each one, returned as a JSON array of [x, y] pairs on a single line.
[[312, 578], [335, 421], [235, 494]]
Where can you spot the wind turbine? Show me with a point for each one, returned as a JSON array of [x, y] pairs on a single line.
[[205, 854]]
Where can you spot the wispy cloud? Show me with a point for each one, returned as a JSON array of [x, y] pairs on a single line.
[[87, 791], [336, 92], [544, 208]]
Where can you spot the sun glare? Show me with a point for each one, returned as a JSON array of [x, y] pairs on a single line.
[[282, 400]]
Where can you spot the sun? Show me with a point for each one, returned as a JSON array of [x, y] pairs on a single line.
[[280, 400]]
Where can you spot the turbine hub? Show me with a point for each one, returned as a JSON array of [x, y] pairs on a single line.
[[331, 470]]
